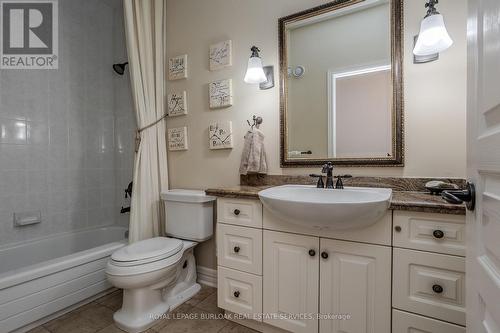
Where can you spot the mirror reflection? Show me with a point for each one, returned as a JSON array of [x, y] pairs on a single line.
[[339, 83]]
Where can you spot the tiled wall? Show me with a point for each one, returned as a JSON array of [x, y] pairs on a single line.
[[66, 135]]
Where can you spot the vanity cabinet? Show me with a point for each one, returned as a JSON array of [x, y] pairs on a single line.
[[428, 272], [355, 279], [409, 264], [309, 275], [291, 280]]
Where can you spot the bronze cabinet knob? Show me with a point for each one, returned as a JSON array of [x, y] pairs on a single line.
[[437, 289], [236, 294], [438, 234], [236, 249], [324, 255], [397, 228], [236, 212], [312, 253]]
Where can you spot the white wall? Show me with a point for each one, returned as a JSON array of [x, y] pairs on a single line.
[[435, 93]]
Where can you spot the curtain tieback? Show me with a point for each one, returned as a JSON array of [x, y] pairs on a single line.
[[139, 130]]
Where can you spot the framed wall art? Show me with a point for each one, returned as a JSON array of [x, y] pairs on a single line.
[[177, 104], [177, 139], [221, 55], [177, 67], [220, 93], [220, 135]]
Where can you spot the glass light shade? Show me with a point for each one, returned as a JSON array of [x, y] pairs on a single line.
[[433, 37], [255, 73]]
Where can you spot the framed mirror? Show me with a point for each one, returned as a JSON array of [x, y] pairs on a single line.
[[341, 92]]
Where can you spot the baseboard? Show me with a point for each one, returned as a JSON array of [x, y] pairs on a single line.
[[207, 276]]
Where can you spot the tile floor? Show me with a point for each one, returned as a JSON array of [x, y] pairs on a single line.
[[97, 317]]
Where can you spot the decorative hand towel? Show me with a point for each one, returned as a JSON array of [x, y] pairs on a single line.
[[253, 158]]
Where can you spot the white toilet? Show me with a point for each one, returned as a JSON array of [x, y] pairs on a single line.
[[159, 274]]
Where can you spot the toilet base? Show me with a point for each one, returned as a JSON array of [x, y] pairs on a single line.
[[143, 307], [140, 324]]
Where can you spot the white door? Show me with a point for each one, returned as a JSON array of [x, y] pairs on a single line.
[[483, 150], [355, 279], [291, 278]]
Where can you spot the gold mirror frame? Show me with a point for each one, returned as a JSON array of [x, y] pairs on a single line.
[[397, 158]]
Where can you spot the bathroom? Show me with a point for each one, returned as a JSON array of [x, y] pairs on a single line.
[[137, 196]]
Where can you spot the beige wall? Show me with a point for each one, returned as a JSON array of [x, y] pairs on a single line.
[[435, 93]]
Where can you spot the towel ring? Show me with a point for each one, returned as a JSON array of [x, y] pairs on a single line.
[[256, 122]]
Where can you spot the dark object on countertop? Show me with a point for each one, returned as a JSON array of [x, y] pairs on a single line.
[[339, 184], [125, 210], [438, 186], [460, 196], [320, 183], [328, 169]]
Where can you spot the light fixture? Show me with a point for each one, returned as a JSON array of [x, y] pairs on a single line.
[[433, 37], [256, 73]]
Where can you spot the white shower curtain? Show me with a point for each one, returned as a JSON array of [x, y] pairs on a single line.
[[145, 33]]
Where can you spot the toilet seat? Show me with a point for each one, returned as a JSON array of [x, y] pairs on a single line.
[[146, 251]]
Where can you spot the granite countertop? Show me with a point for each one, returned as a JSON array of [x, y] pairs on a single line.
[[401, 200]]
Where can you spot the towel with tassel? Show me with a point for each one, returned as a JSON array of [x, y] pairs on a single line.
[[253, 158]]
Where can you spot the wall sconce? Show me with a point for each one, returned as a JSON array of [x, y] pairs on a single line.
[[256, 73], [433, 37]]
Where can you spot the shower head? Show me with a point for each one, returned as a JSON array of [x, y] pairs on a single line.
[[120, 68]]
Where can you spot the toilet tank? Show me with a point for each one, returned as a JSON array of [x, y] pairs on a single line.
[[189, 214]]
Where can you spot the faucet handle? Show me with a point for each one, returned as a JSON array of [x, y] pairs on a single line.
[[320, 183], [339, 184]]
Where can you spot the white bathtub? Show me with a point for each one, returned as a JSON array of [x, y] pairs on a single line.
[[46, 276]]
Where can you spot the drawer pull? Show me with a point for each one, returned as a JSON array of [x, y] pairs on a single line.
[[312, 253], [397, 228], [236, 212], [236, 249], [236, 294], [437, 289], [324, 255], [438, 234]]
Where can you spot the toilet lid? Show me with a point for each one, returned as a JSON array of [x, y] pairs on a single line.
[[148, 250]]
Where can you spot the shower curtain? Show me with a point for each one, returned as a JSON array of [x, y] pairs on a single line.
[[145, 35]]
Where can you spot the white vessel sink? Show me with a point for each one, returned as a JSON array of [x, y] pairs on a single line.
[[308, 206]]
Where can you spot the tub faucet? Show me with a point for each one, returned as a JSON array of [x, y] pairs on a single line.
[[328, 169]]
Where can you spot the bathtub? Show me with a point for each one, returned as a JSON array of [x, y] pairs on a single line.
[[41, 278]]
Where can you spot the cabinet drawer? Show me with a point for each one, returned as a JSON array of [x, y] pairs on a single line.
[[404, 322], [240, 248], [240, 212], [430, 232], [429, 284], [239, 292]]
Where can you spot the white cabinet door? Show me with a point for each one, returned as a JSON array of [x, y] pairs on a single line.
[[355, 280], [291, 269]]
